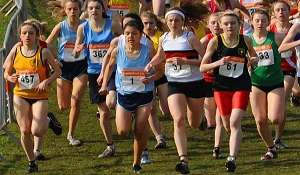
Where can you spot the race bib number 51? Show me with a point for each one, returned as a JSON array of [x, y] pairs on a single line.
[[28, 81], [131, 80], [233, 68]]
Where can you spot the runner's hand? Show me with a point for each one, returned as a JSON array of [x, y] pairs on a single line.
[[223, 61], [100, 79], [12, 78], [177, 60], [103, 91], [77, 50], [148, 67], [43, 85]]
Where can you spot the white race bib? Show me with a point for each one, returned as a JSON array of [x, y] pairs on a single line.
[[97, 52], [131, 80], [265, 55], [234, 68], [178, 71], [122, 9], [28, 80], [68, 56]]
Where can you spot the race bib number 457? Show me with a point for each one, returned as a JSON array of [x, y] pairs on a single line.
[[28, 80], [233, 68]]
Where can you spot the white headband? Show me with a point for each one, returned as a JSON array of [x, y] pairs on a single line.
[[177, 12]]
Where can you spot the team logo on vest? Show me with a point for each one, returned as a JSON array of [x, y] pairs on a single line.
[[241, 51]]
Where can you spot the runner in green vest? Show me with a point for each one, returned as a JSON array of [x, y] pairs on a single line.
[[267, 96]]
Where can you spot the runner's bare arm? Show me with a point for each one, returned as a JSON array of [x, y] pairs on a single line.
[[288, 42], [206, 64]]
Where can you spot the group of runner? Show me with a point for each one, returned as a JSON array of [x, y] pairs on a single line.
[[195, 69]]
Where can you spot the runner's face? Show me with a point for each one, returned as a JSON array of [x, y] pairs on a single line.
[[229, 24], [72, 9], [149, 25], [213, 25], [281, 11], [94, 9], [28, 35], [132, 36], [260, 22], [174, 22]]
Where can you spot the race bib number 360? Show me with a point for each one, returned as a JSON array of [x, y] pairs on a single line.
[[233, 68], [68, 56], [97, 52], [265, 55], [28, 81], [131, 80]]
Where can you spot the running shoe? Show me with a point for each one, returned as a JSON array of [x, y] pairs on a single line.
[[108, 152], [270, 155], [230, 164], [216, 152], [54, 124], [294, 101], [73, 141], [182, 167], [136, 169], [145, 158], [32, 167], [98, 115], [279, 144], [203, 125], [39, 155], [162, 144]]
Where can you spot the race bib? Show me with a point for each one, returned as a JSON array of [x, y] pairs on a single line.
[[287, 54], [131, 80], [234, 68], [97, 52], [178, 71], [68, 56], [265, 55], [28, 80], [122, 9]]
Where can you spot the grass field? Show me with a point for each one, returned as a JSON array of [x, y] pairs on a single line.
[[66, 160]]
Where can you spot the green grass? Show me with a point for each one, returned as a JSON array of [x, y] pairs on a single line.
[[64, 159], [4, 20]]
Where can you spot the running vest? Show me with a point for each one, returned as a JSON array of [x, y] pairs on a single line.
[[131, 70], [209, 76], [200, 31], [289, 60], [155, 39], [180, 47], [97, 44], [31, 71], [233, 75], [246, 28], [120, 6], [268, 71], [66, 43]]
